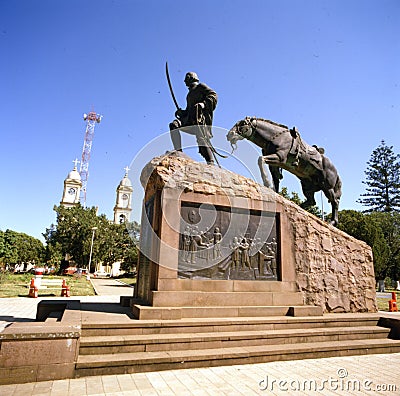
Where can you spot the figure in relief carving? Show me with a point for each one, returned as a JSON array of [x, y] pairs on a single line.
[[261, 263], [193, 249], [272, 257], [186, 244], [235, 255], [217, 244], [244, 250]]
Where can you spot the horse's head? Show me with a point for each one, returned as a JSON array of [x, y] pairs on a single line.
[[241, 130]]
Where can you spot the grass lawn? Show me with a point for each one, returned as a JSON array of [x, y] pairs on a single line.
[[17, 285]]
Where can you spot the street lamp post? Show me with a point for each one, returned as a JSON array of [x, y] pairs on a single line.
[[91, 247]]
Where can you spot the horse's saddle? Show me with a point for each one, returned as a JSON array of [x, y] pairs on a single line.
[[306, 152]]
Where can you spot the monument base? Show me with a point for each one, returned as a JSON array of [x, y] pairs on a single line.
[[216, 244], [143, 312], [184, 298]]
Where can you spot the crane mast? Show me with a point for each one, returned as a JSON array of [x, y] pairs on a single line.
[[91, 119]]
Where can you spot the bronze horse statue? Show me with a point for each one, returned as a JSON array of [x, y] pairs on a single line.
[[283, 148]]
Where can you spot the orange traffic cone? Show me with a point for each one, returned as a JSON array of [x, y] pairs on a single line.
[[393, 303], [33, 290], [65, 290]]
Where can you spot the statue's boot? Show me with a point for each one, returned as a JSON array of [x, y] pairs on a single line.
[[175, 137], [206, 153]]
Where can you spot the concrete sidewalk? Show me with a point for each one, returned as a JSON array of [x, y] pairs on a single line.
[[111, 287], [23, 309], [354, 375]]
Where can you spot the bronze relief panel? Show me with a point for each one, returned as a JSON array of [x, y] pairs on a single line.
[[218, 242]]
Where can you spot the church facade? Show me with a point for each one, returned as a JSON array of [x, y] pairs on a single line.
[[72, 188], [123, 202], [122, 208]]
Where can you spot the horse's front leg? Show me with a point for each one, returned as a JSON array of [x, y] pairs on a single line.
[[263, 171], [272, 159], [276, 174]]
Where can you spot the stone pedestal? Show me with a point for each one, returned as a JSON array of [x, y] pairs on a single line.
[[214, 243]]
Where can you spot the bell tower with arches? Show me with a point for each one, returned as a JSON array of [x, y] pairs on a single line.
[[123, 204], [72, 188]]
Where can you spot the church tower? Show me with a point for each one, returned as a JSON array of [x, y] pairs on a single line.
[[72, 188], [123, 208]]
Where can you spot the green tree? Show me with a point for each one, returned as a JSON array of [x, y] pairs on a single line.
[[53, 255], [20, 248], [368, 228], [72, 236], [294, 197], [2, 249], [389, 223], [73, 232], [131, 256], [115, 243], [110, 242], [382, 180], [10, 254]]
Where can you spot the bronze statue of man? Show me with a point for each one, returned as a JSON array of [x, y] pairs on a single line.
[[197, 118]]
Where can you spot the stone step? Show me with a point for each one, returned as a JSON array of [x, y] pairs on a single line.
[[207, 325], [209, 298], [165, 360], [225, 285], [144, 312], [189, 341]]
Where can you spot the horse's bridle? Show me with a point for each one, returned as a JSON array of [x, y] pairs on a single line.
[[248, 121]]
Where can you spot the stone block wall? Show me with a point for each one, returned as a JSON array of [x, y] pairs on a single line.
[[330, 268], [333, 269]]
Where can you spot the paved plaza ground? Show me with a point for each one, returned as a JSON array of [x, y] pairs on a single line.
[[351, 375]]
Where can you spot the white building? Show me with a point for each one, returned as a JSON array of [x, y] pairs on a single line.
[[72, 188], [123, 204]]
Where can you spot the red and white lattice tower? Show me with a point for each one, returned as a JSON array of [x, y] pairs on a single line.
[[91, 119]]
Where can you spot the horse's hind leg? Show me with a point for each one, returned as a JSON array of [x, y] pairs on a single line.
[[310, 200], [331, 196], [309, 194], [335, 215]]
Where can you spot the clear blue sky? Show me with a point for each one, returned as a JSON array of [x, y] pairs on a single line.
[[331, 68]]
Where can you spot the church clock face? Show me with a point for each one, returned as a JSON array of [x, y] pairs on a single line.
[[71, 191], [125, 200]]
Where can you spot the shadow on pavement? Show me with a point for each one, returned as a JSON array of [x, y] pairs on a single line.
[[99, 309], [15, 319], [106, 308]]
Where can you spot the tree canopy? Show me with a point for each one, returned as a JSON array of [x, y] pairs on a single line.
[[367, 228], [389, 223], [382, 180], [379, 229], [294, 197], [72, 237], [19, 248]]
